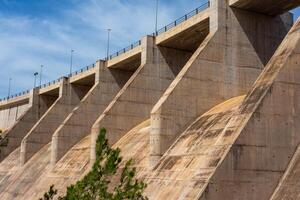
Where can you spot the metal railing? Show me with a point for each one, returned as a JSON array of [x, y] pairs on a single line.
[[91, 66], [184, 18], [124, 50], [15, 95], [196, 11], [49, 83]]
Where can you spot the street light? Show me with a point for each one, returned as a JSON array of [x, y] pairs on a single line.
[[108, 38], [71, 62], [41, 70], [9, 87], [156, 17], [35, 75]]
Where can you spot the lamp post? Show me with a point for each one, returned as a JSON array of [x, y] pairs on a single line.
[[35, 75], [9, 87], [108, 38], [41, 71], [156, 17], [71, 61]]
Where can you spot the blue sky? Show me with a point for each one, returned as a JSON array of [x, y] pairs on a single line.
[[42, 32]]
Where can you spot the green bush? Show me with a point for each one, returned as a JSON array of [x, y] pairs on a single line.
[[97, 185]]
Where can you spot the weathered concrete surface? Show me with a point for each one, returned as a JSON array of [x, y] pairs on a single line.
[[9, 116], [79, 122], [225, 65], [288, 187], [133, 103], [237, 150], [262, 144], [269, 7], [11, 138], [41, 132], [185, 168], [35, 177], [240, 148]]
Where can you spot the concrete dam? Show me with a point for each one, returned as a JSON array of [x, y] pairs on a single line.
[[208, 107]]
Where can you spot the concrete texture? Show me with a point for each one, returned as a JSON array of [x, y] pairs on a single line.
[[288, 187], [265, 130], [12, 137], [41, 133], [79, 122], [9, 116], [185, 102], [133, 103], [225, 65]]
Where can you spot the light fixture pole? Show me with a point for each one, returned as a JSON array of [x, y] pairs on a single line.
[[108, 38], [35, 75], [41, 71], [71, 62], [9, 87], [156, 17]]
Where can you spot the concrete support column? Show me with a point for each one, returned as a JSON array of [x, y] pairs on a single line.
[[42, 131], [132, 105], [11, 138], [225, 65], [79, 122]]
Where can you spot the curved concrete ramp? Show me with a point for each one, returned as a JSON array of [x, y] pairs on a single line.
[[186, 167], [9, 167], [20, 181], [239, 151], [33, 179], [38, 176], [73, 166]]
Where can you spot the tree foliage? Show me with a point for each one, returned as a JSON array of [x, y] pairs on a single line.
[[98, 184]]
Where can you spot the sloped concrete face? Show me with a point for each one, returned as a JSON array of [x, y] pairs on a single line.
[[133, 103], [237, 150], [266, 128], [79, 122], [41, 133], [225, 65]]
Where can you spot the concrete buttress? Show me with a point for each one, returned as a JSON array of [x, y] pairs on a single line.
[[225, 65], [41, 132], [79, 122], [11, 139], [134, 102]]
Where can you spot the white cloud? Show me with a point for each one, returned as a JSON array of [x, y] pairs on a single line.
[[27, 42]]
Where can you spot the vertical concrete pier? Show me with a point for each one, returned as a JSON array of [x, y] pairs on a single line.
[[225, 65], [41, 134], [79, 122], [132, 105], [37, 106]]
